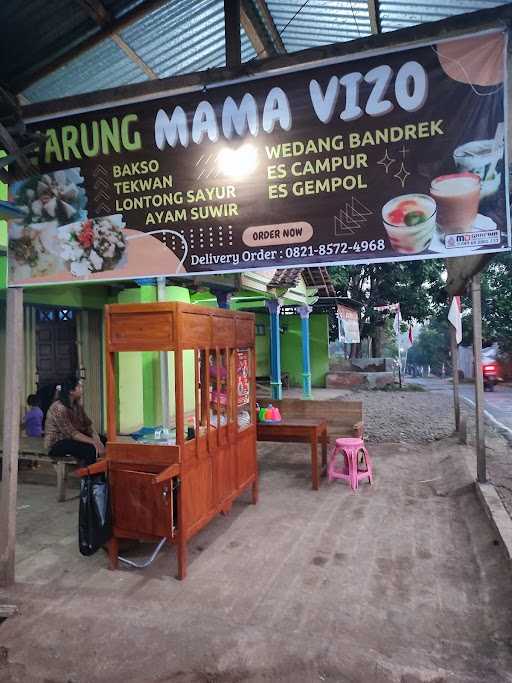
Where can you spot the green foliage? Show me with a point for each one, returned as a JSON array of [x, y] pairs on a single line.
[[416, 285], [433, 345], [496, 285], [497, 302], [390, 348]]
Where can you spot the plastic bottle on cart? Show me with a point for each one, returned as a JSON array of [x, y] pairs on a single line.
[[269, 413]]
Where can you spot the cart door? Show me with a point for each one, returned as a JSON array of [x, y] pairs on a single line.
[[141, 508]]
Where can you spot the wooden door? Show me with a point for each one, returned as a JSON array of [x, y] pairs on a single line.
[[140, 508], [56, 349]]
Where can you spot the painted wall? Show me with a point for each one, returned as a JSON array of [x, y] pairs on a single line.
[[139, 392], [262, 345], [136, 375], [3, 272], [291, 348], [75, 296]]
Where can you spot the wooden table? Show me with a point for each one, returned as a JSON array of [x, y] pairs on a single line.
[[300, 430]]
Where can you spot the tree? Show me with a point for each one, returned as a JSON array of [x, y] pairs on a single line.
[[497, 302], [496, 285], [433, 345], [415, 285]]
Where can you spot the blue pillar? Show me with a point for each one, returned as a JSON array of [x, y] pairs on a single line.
[[304, 312], [274, 306]]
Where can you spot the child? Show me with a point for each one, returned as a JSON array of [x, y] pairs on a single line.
[[33, 420]]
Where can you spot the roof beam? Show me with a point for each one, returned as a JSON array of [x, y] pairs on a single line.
[[135, 58], [270, 26], [97, 11], [22, 164], [374, 12], [257, 22], [232, 33], [106, 31]]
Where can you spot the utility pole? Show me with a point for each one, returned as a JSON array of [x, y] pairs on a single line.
[[455, 375], [476, 297], [11, 434]]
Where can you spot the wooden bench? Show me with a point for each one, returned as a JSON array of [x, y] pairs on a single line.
[[32, 449], [344, 418]]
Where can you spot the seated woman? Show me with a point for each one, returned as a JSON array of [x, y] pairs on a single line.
[[68, 430]]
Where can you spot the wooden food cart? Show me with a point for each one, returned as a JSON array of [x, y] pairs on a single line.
[[172, 486]]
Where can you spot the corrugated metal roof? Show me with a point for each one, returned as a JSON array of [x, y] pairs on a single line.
[[287, 277], [319, 278], [320, 22], [247, 48], [172, 40], [180, 37], [104, 66], [396, 14]]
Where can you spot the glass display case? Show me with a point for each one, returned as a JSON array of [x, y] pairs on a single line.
[[175, 460]]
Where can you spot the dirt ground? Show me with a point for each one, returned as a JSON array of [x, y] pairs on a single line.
[[403, 581], [394, 416]]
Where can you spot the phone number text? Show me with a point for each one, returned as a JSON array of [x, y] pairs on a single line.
[[332, 248]]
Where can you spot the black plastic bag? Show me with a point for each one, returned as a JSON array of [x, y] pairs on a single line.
[[94, 514]]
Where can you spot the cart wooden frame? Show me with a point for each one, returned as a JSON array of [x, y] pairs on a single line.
[[174, 490]]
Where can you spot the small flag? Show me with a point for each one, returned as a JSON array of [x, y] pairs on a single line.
[[455, 318], [410, 335]]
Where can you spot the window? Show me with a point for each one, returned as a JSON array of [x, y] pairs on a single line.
[[65, 314], [49, 315]]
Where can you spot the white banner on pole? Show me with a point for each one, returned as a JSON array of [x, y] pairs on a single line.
[[350, 323]]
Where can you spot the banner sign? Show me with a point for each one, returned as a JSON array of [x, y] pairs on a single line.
[[384, 158], [350, 323]]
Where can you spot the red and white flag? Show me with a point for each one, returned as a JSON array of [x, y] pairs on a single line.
[[410, 335], [455, 318]]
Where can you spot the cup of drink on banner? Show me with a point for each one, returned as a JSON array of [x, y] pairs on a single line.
[[410, 221], [457, 196], [482, 157]]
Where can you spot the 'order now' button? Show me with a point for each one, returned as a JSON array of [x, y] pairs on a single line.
[[279, 233]]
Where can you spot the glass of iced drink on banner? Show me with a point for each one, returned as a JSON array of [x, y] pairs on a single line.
[[457, 197], [482, 157], [410, 221]]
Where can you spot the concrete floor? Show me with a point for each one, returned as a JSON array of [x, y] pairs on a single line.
[[399, 582]]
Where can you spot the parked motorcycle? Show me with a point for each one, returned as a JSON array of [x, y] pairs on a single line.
[[490, 376]]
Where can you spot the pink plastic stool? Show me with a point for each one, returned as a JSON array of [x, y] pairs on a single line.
[[352, 470]]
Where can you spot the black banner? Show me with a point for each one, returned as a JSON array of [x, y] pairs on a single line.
[[391, 157]]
